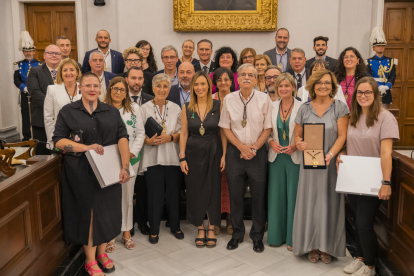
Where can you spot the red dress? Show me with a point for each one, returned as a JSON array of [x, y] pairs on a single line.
[[225, 196]]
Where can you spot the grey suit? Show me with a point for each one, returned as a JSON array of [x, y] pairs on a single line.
[[272, 55]]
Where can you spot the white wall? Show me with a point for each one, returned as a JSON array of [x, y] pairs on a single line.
[[344, 22]]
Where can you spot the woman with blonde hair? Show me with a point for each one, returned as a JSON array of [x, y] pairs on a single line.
[[64, 92], [117, 95], [188, 51], [260, 63], [202, 158], [284, 163]]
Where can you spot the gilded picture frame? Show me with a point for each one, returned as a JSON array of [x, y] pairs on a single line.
[[187, 18]]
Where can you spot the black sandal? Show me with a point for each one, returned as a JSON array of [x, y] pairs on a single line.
[[202, 240], [211, 240]]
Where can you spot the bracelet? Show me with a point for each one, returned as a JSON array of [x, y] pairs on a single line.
[[386, 182], [331, 154], [182, 159], [172, 137]]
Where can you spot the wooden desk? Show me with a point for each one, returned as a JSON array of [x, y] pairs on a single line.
[[31, 234]]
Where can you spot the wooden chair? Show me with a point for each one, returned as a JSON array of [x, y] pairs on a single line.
[[27, 154], [6, 157]]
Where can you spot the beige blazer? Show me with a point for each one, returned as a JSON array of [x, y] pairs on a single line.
[[274, 135], [56, 98]]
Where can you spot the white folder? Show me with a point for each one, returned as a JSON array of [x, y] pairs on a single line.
[[359, 175], [107, 166]]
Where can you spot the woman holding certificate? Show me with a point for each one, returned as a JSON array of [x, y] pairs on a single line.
[[160, 162], [284, 163], [118, 95], [320, 133], [371, 133], [92, 215]]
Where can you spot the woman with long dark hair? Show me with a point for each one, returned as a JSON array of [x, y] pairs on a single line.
[[226, 57], [349, 69], [149, 64]]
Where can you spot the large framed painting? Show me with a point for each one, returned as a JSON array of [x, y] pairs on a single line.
[[225, 15]]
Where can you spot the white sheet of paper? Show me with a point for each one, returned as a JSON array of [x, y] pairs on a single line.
[[107, 166], [359, 175]]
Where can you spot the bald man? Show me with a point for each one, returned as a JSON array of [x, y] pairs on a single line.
[[37, 82], [114, 63], [180, 93]]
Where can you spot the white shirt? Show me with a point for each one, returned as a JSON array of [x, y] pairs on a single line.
[[108, 61], [208, 66], [138, 99], [165, 154], [303, 74]]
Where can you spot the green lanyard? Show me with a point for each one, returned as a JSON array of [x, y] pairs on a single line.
[[133, 160]]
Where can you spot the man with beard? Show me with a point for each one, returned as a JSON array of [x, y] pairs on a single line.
[[299, 72], [281, 54], [380, 67], [65, 47], [320, 46], [180, 93], [246, 120], [271, 74], [135, 80], [114, 63], [20, 78]]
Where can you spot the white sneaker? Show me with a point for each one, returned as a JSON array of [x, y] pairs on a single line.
[[354, 266], [365, 271]]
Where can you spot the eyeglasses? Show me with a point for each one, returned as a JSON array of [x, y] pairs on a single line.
[[366, 93], [169, 58], [145, 49], [53, 54], [92, 87], [326, 83], [247, 57], [133, 60], [249, 75], [118, 90], [350, 57], [269, 78]]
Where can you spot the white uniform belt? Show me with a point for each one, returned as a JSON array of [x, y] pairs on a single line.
[[379, 79]]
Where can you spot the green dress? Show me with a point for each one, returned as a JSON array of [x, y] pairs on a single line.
[[283, 185]]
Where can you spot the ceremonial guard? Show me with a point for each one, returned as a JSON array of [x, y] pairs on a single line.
[[380, 67], [20, 77]]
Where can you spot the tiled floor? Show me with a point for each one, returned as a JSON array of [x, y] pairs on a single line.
[[180, 257]]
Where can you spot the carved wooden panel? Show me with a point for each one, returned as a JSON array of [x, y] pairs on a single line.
[[48, 205], [15, 236], [406, 209], [410, 69], [397, 53], [409, 103], [408, 133], [395, 29], [412, 27], [396, 92]]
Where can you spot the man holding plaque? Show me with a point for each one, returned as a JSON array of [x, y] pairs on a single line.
[[246, 121]]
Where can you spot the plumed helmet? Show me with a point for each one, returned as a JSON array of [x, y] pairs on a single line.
[[26, 42], [378, 37]]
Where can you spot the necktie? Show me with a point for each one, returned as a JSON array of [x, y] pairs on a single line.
[[135, 98], [205, 69], [299, 81], [54, 75]]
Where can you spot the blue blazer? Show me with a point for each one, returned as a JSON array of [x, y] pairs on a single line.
[[108, 77], [117, 62]]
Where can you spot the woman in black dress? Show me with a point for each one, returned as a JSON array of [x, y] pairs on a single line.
[[202, 158], [92, 215]]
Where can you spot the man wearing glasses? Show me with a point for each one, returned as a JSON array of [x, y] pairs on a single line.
[[169, 56], [114, 63], [298, 70], [37, 82], [97, 65], [271, 74]]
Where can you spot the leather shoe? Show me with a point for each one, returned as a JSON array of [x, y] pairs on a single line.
[[153, 240], [258, 246], [234, 243], [145, 230], [178, 236]]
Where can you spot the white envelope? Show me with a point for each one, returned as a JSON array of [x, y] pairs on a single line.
[[359, 175]]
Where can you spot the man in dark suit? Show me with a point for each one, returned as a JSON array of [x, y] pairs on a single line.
[[135, 79], [280, 55], [37, 82], [97, 63], [204, 52], [114, 63], [299, 72], [180, 93], [65, 47], [320, 46]]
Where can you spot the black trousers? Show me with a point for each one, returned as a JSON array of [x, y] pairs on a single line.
[[366, 239], [141, 207], [39, 133], [238, 171], [163, 182], [27, 134]]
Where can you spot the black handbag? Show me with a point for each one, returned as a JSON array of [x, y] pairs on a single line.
[[152, 127]]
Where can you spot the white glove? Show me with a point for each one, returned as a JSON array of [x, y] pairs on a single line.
[[25, 90], [383, 89]]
